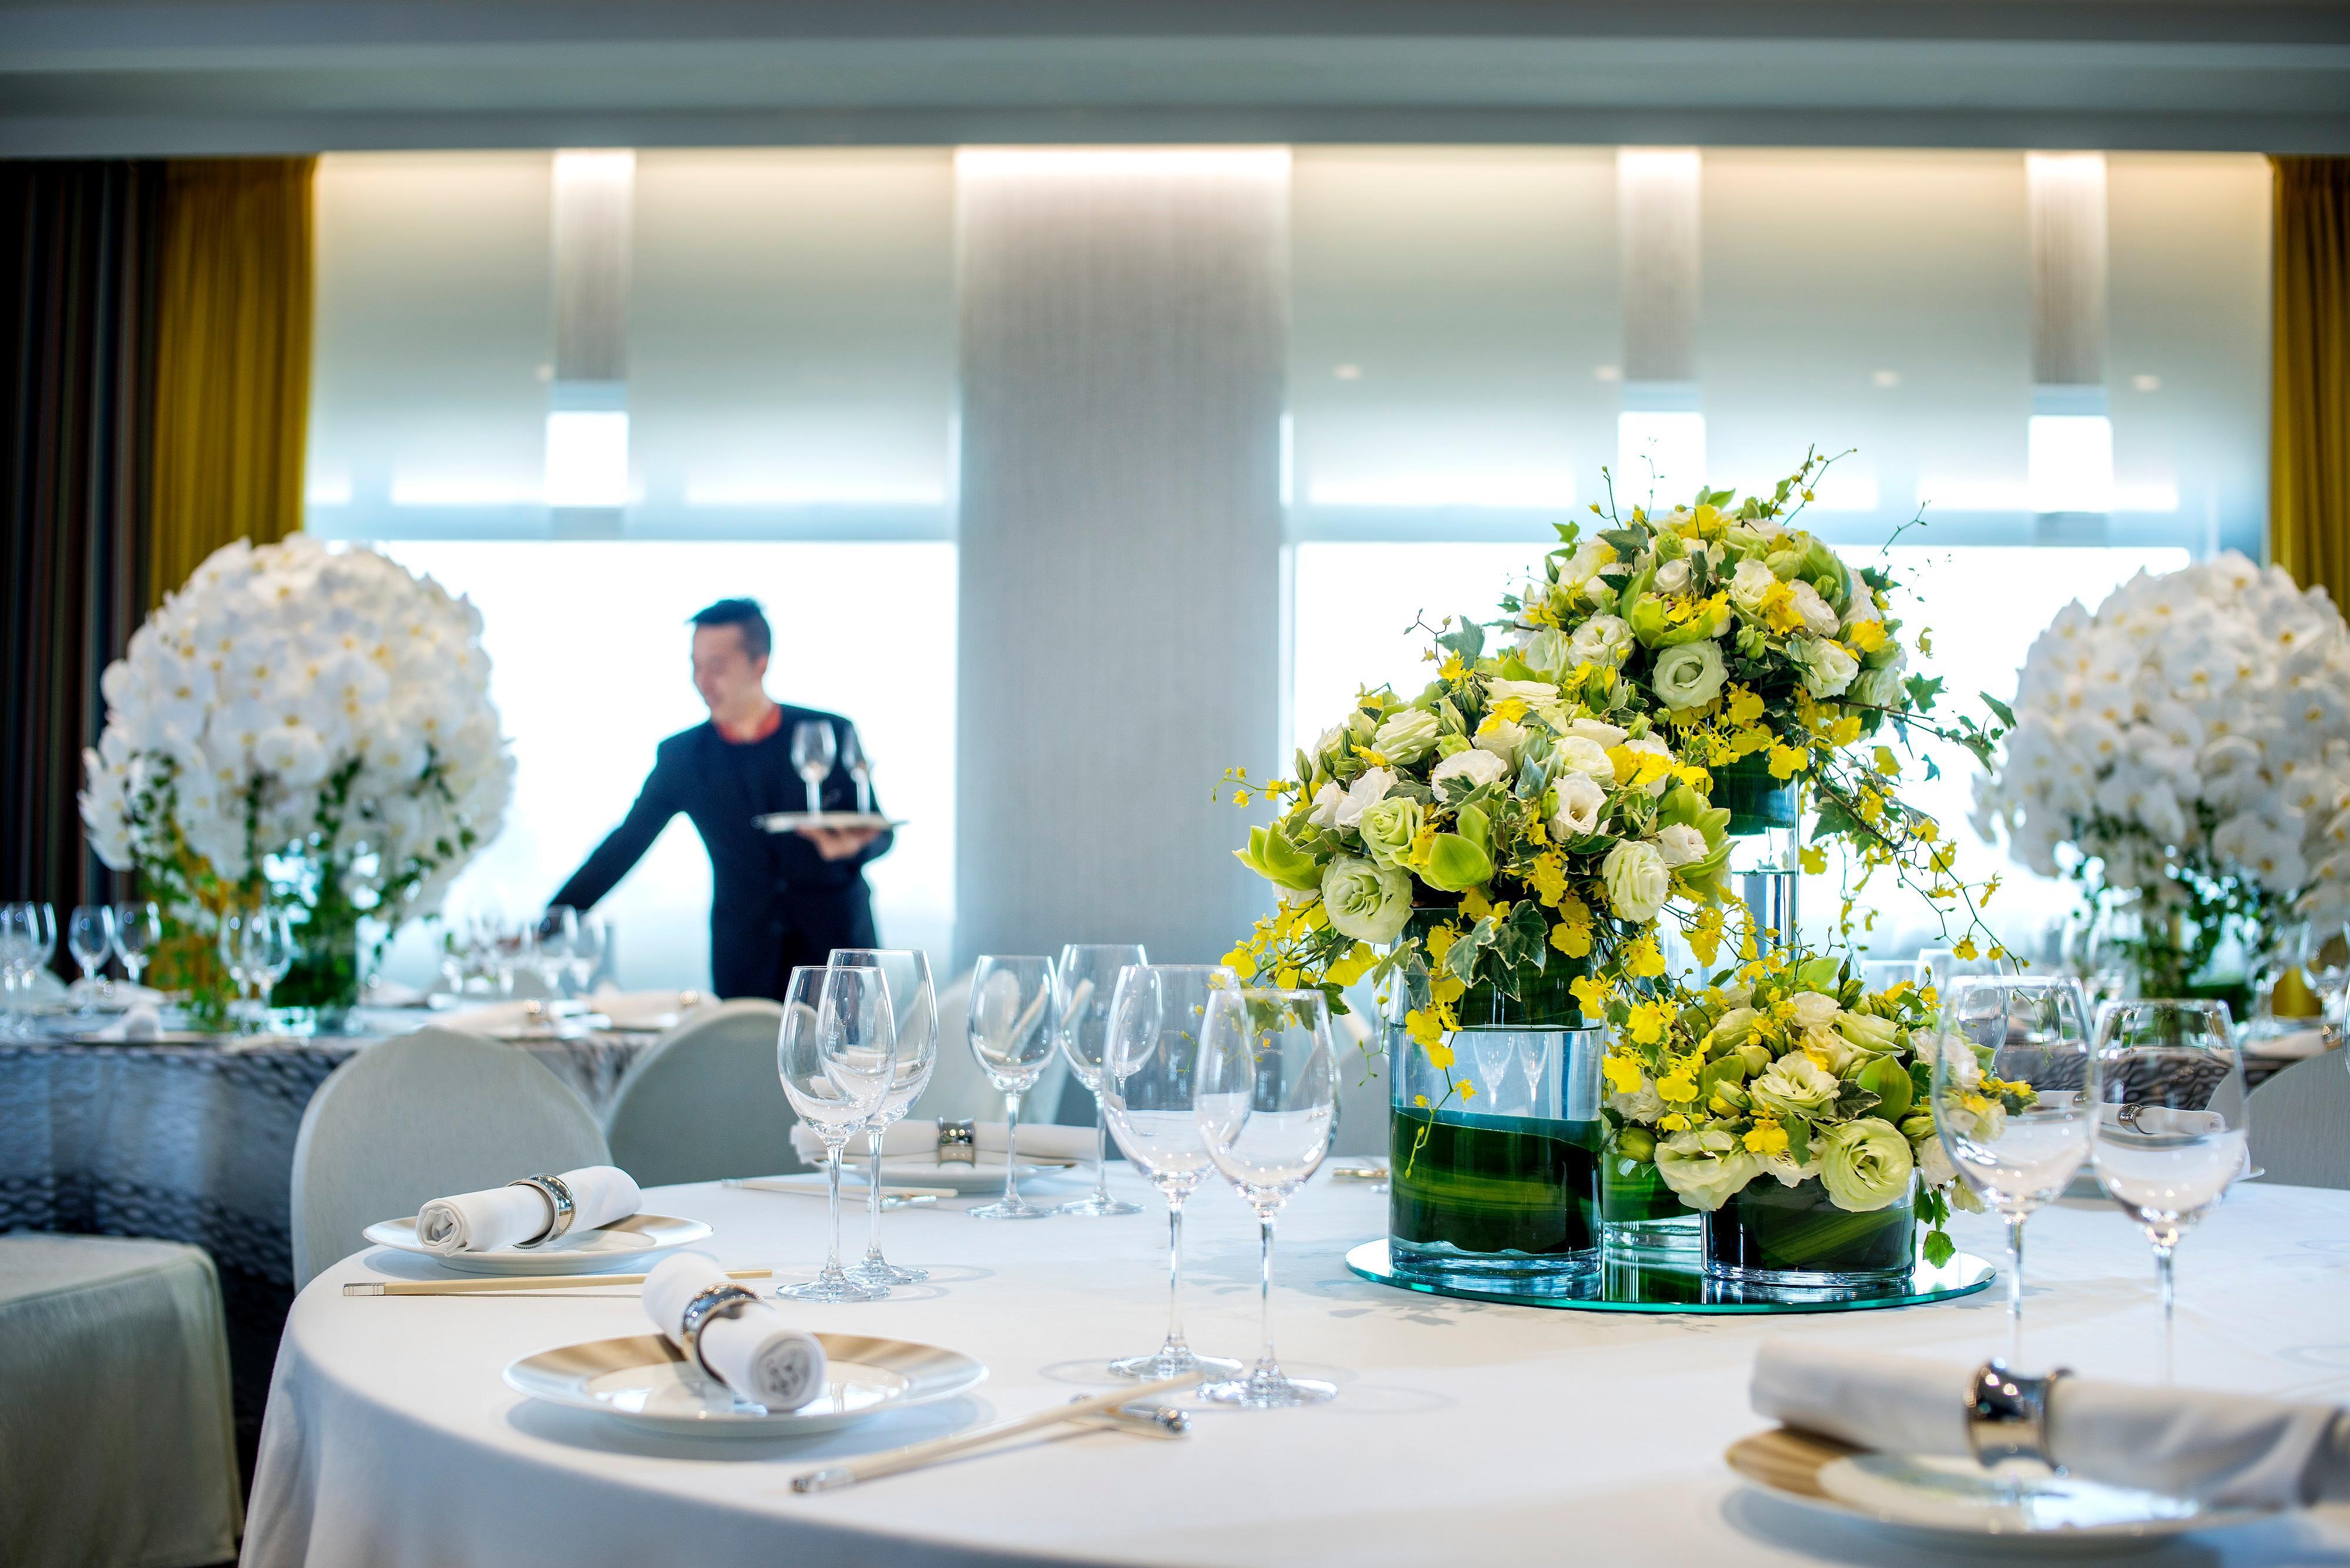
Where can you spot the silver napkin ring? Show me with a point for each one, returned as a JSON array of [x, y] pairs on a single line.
[[725, 1299], [2007, 1413], [958, 1143], [558, 1204]]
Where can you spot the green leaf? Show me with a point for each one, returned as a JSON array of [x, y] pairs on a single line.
[[1467, 638], [2006, 714], [1799, 1138], [1938, 1249]]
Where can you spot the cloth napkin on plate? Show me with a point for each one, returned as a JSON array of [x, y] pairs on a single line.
[[2232, 1450], [647, 1009], [920, 1140], [754, 1352], [139, 1024], [500, 1217]]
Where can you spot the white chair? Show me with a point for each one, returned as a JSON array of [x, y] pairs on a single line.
[[420, 1116], [959, 1091], [2301, 1123], [706, 1101]]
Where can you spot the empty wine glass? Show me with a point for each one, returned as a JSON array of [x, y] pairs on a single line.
[[1014, 1022], [1265, 1095], [860, 768], [836, 1052], [89, 937], [2172, 1129], [19, 929], [552, 944], [589, 940], [1088, 975], [137, 929], [2321, 950], [2014, 1101], [1149, 1066], [258, 945], [813, 749], [914, 1006]]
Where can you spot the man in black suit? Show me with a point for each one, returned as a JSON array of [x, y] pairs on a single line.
[[778, 900]]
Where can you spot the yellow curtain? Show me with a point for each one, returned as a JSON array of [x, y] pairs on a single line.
[[232, 358], [2309, 416]]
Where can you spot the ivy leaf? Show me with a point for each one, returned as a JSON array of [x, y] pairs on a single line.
[[1467, 639], [1938, 1249], [2006, 714], [1799, 1139], [1626, 541], [1922, 691]]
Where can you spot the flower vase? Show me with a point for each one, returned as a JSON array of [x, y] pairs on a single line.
[[1771, 1234], [1493, 1159], [327, 971], [1639, 1215]]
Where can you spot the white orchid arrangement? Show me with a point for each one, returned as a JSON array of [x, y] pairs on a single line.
[[305, 725], [2186, 751], [1786, 1068]]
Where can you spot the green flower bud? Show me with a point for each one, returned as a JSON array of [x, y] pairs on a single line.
[[1889, 1081], [1637, 1143]]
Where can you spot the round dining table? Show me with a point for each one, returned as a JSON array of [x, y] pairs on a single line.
[[1463, 1431]]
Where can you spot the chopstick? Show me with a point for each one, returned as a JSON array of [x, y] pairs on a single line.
[[818, 1189], [516, 1283], [921, 1454]]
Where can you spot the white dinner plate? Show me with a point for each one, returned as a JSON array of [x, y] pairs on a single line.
[[628, 1244], [645, 1380], [793, 821], [1955, 1502], [923, 1171]]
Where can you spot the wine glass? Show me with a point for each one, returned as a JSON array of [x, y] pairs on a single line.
[[1265, 1095], [510, 943], [1013, 1020], [1088, 975], [89, 937], [553, 943], [2014, 1101], [1155, 1013], [906, 972], [2321, 950], [2171, 1129], [230, 942], [589, 939], [137, 929], [813, 749], [268, 940], [860, 768], [835, 1051], [18, 928]]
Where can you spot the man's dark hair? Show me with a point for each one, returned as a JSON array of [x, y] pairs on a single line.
[[746, 615]]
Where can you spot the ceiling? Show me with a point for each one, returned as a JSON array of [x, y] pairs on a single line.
[[114, 77]]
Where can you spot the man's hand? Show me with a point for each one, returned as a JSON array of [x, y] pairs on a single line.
[[839, 842]]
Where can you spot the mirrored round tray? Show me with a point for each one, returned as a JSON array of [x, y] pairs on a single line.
[[1651, 1283]]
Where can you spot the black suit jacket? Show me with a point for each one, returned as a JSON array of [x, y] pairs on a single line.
[[776, 902]]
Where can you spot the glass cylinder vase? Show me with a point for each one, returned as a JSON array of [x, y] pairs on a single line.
[[1639, 1216], [1771, 1234]]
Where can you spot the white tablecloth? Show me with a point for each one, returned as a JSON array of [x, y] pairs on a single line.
[[1462, 1432]]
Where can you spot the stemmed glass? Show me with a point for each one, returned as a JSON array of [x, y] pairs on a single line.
[[1156, 1014], [2321, 950], [2014, 1100], [1012, 1021], [2171, 1129], [258, 945], [906, 972], [552, 945], [588, 941], [1266, 1098], [20, 928], [813, 749], [1088, 974], [836, 1052], [89, 937], [860, 768], [137, 929]]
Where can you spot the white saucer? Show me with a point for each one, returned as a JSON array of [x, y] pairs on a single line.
[[625, 1245], [645, 1381]]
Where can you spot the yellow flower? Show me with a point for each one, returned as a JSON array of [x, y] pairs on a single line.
[[1813, 858], [1422, 1026], [1786, 762], [1549, 876], [1887, 763], [1440, 941], [1676, 1122], [1623, 1072], [1573, 937], [1642, 961], [1241, 964], [1745, 706], [1591, 994], [1965, 950], [1452, 669], [1677, 1085], [1467, 1090], [1510, 708], [1867, 636]]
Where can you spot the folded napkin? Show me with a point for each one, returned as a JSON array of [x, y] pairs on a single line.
[[141, 1022], [2158, 1122], [382, 992], [920, 1140], [653, 1009], [2232, 1450], [754, 1352], [2291, 1046], [500, 1217]]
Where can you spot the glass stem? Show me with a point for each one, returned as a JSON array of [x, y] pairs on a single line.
[[832, 1256], [1101, 1150], [873, 1203], [814, 806], [2015, 1293], [1011, 1149], [1174, 1276], [2162, 1275], [1265, 1362]]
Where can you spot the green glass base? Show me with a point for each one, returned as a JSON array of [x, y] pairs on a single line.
[[1683, 1285], [1507, 1201]]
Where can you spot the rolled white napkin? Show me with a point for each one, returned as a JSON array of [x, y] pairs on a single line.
[[491, 1018], [754, 1352], [500, 1217], [139, 1024], [2232, 1450], [919, 1139]]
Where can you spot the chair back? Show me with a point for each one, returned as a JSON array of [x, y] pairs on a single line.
[[706, 1101], [418, 1117], [2301, 1123]]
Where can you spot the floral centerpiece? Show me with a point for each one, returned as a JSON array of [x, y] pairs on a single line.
[[1791, 1109], [2184, 754], [304, 727]]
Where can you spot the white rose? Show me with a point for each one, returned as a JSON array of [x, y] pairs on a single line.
[[1598, 730], [1362, 794], [1828, 668], [1328, 742], [1406, 735], [1673, 577], [1636, 881], [1679, 843], [1819, 619], [1604, 639], [1580, 801], [1749, 583], [1533, 693], [1326, 802], [1815, 1010], [1582, 755], [1688, 675], [1500, 737], [1479, 767], [1578, 569]]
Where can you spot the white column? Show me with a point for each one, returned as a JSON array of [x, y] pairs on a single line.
[[588, 402], [1660, 433], [2072, 433], [1124, 337]]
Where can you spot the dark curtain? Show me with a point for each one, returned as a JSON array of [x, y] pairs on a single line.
[[79, 284]]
